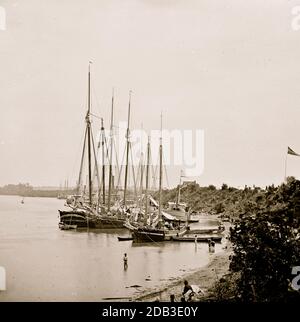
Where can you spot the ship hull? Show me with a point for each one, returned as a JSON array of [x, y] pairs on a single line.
[[149, 235], [84, 219], [144, 235], [199, 238]]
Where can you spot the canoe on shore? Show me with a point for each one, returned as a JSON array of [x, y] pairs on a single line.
[[201, 238]]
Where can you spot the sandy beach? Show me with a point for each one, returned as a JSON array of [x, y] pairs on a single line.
[[205, 278]]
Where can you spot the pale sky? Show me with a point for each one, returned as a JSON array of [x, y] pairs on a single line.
[[231, 68]]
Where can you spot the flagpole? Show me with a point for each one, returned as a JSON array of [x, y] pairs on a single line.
[[285, 167]]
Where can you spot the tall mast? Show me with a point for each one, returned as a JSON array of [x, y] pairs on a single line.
[[111, 150], [142, 165], [103, 161], [178, 194], [88, 122], [81, 163], [147, 179], [127, 151], [160, 169]]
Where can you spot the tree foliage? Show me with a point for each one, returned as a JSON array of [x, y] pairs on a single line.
[[266, 244]]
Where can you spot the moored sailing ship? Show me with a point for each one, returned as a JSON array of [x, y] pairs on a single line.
[[155, 228], [85, 212]]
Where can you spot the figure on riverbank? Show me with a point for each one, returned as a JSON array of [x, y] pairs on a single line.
[[125, 260], [211, 246], [209, 243], [172, 298], [187, 288]]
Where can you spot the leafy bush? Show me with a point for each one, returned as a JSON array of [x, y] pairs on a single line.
[[266, 244]]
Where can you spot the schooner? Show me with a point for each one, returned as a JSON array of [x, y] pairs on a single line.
[[88, 212]]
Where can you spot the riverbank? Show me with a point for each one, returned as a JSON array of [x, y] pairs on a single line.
[[205, 278]]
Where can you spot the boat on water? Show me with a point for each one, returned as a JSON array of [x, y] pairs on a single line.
[[155, 227], [200, 238], [179, 209], [88, 211], [173, 218], [85, 217], [156, 231], [212, 230]]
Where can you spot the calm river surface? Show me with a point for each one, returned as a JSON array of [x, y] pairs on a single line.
[[43, 263]]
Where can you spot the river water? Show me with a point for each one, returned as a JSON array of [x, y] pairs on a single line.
[[43, 263]]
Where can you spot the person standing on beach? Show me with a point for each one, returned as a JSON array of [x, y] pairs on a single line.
[[209, 243], [125, 260], [212, 246], [196, 241]]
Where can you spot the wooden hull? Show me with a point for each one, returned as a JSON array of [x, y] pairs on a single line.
[[205, 231], [191, 221], [124, 238], [84, 219], [156, 235], [199, 238], [170, 234], [147, 235]]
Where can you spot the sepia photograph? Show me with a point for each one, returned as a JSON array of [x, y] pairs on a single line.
[[150, 152]]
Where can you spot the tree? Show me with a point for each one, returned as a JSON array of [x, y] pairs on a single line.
[[224, 186], [266, 244], [219, 207]]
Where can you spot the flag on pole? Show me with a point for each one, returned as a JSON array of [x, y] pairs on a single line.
[[290, 151]]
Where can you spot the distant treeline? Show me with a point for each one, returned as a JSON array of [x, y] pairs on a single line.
[[25, 190]]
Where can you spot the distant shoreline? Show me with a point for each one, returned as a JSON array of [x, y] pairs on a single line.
[[26, 190], [44, 194]]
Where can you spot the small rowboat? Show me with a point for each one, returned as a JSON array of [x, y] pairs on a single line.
[[206, 231], [124, 238], [200, 238], [191, 221], [64, 226]]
